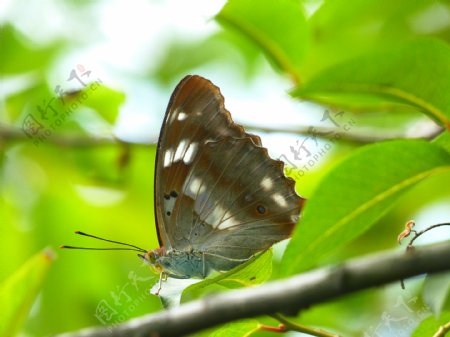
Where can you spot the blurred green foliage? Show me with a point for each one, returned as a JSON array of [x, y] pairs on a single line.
[[18, 292], [278, 28], [431, 325], [20, 55], [62, 169]]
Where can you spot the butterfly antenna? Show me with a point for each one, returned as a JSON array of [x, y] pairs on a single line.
[[89, 248], [133, 247]]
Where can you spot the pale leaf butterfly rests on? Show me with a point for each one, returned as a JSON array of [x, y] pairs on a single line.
[[219, 197]]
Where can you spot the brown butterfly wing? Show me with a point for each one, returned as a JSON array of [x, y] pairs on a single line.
[[235, 202], [216, 189], [195, 114]]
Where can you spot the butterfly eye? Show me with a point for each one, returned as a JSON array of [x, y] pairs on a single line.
[[150, 257], [261, 209]]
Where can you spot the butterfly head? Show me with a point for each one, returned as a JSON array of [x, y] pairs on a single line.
[[151, 258]]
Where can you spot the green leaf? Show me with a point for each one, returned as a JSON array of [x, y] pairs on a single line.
[[278, 27], [443, 140], [356, 193], [19, 291], [253, 272], [417, 74], [26, 102], [104, 100], [341, 31], [430, 325], [436, 291], [237, 329], [19, 55]]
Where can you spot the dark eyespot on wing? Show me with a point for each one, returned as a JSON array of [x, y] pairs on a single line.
[[261, 209]]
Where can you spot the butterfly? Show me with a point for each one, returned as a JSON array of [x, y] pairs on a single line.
[[219, 198]]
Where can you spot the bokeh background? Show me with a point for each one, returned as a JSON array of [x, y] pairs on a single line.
[[94, 171]]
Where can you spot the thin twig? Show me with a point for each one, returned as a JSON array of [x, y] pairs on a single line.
[[408, 230], [286, 296], [418, 234], [293, 326]]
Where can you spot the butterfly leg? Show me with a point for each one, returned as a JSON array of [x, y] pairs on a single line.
[[204, 265], [162, 277]]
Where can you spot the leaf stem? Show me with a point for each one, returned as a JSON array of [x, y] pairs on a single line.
[[442, 330], [293, 326], [280, 328]]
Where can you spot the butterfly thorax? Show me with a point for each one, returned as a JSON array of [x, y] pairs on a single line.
[[177, 264]]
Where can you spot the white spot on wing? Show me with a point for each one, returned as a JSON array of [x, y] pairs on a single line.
[[193, 187], [169, 205], [180, 151], [267, 183], [214, 217], [279, 199], [182, 116], [172, 116], [167, 158], [190, 153]]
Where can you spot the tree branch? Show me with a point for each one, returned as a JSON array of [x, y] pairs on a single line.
[[286, 296], [13, 134], [357, 136]]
